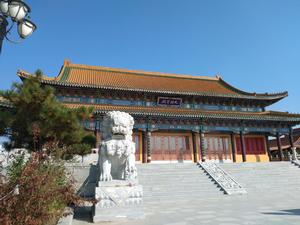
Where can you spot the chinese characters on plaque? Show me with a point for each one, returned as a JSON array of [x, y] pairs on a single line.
[[166, 101]]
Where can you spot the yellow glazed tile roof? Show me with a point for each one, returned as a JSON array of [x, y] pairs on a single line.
[[124, 79]]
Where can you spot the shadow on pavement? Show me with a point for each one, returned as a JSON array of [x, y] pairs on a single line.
[[87, 192], [83, 213], [288, 212], [87, 189]]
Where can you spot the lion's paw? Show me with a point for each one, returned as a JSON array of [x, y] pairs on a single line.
[[105, 177]]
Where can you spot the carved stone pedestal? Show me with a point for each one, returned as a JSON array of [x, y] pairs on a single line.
[[117, 200]]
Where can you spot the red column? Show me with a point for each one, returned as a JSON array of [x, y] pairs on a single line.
[[202, 147], [233, 147], [148, 141], [242, 138], [194, 146], [144, 147]]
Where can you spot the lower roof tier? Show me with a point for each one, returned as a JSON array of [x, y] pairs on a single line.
[[193, 113]]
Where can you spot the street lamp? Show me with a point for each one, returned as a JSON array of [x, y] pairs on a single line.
[[17, 11]]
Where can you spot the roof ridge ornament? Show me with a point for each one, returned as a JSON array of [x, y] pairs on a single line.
[[67, 62], [218, 76]]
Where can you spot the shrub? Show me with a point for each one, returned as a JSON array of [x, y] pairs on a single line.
[[44, 190], [14, 170], [89, 139], [80, 149]]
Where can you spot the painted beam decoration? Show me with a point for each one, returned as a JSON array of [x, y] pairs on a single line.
[[144, 126], [167, 101]]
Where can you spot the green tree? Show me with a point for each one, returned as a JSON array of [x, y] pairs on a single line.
[[38, 118], [90, 140], [5, 121]]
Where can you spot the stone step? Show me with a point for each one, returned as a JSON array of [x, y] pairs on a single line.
[[183, 194], [266, 179], [286, 173], [166, 172], [275, 179], [171, 193], [196, 180], [263, 171], [174, 187], [170, 175], [176, 183], [188, 191], [178, 198], [159, 176], [271, 179]]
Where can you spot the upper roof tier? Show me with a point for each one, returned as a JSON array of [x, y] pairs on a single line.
[[135, 80]]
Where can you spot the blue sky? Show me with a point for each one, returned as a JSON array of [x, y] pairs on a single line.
[[253, 44]]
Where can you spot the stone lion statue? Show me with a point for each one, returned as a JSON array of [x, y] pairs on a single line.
[[116, 153]]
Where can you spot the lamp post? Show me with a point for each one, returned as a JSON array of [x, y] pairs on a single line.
[[15, 12]]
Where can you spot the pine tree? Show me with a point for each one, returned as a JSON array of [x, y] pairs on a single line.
[[38, 119]]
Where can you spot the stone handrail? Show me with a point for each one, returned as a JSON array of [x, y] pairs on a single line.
[[295, 157], [222, 178]]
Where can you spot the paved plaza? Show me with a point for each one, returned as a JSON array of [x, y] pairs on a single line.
[[272, 196], [248, 209]]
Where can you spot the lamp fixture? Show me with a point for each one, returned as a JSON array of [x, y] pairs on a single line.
[[17, 11]]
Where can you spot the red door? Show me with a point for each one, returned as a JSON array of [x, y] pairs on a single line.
[[254, 145], [217, 148], [170, 147]]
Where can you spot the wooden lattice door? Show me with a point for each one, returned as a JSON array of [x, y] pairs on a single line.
[[217, 148], [170, 147]]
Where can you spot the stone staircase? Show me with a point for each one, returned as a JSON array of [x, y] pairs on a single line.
[[176, 182], [187, 181], [173, 191], [268, 179]]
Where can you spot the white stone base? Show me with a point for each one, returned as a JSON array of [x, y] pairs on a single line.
[[118, 200]]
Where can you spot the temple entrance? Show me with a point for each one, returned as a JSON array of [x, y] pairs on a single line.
[[218, 148], [170, 147]]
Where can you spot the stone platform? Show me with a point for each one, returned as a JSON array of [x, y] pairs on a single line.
[[118, 200]]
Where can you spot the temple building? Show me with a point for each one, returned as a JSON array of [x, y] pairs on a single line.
[[287, 142], [178, 118]]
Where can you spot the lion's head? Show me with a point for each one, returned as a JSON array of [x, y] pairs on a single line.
[[117, 124]]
